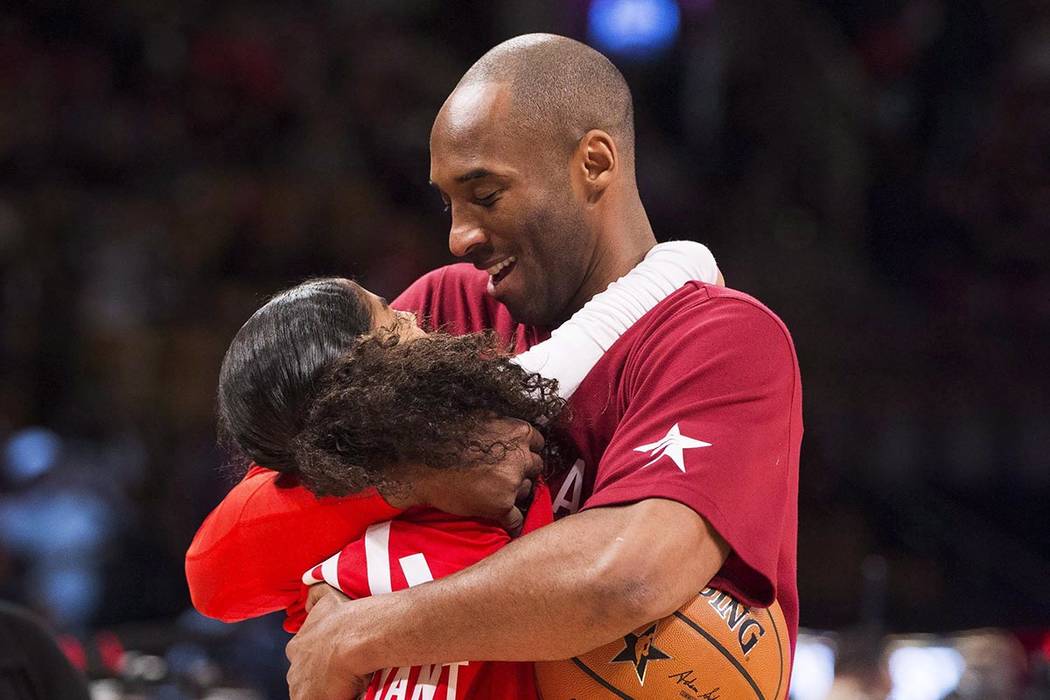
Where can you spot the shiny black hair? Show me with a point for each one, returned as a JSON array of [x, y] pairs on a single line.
[[272, 366]]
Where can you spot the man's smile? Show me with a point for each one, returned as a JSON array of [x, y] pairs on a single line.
[[500, 271]]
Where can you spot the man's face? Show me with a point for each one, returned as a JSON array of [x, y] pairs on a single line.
[[514, 211]]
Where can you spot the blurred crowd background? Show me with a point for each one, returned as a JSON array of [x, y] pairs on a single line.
[[878, 172]]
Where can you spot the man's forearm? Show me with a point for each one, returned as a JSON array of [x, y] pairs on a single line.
[[556, 593]]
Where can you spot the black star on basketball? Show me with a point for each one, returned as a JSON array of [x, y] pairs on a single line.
[[639, 651]]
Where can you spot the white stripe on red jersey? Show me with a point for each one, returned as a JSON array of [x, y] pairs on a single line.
[[409, 551]]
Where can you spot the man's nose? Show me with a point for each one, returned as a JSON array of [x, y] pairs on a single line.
[[464, 235]]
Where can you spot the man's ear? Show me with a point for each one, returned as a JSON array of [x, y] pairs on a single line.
[[597, 163]]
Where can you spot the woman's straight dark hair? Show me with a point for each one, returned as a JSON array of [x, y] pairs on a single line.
[[274, 361]]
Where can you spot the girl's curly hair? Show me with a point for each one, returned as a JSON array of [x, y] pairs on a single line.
[[426, 402]]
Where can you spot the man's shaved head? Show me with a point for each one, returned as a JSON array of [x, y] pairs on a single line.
[[560, 89], [533, 154]]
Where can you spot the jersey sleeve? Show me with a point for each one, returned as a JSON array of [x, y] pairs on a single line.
[[420, 546], [247, 557], [709, 404]]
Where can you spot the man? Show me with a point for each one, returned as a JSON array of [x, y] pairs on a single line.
[[687, 431]]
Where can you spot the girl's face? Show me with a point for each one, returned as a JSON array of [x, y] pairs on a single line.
[[404, 323]]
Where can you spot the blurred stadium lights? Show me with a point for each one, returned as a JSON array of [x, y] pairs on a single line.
[[813, 668], [29, 453], [924, 672], [633, 28], [920, 668]]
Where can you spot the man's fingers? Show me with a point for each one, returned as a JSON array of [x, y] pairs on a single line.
[[514, 430], [316, 592], [512, 521], [536, 441], [311, 673]]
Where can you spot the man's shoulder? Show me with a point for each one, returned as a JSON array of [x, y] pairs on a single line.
[[700, 303], [740, 305], [699, 312]]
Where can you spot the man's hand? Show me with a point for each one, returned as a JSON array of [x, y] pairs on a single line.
[[316, 592], [317, 671], [492, 490]]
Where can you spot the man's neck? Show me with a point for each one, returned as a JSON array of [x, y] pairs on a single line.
[[616, 254]]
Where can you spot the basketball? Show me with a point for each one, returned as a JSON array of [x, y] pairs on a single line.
[[713, 648]]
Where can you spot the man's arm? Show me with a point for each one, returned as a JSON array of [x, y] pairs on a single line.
[[576, 584]]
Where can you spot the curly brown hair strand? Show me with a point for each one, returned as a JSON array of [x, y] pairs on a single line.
[[425, 402]]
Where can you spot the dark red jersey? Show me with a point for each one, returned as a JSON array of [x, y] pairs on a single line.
[[700, 402]]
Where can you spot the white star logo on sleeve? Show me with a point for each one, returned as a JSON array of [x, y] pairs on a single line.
[[673, 445]]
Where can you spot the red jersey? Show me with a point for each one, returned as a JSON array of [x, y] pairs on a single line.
[[247, 558], [698, 402], [420, 546]]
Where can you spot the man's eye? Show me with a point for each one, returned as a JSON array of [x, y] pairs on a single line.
[[487, 200]]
